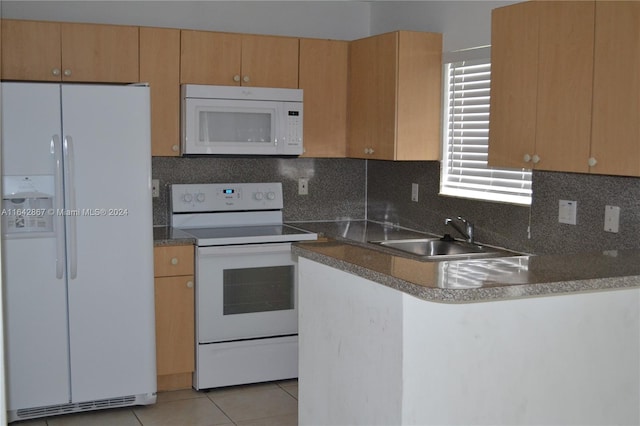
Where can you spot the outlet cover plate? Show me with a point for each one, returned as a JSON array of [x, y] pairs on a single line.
[[567, 212]]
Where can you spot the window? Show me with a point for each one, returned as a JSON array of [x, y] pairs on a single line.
[[465, 172]]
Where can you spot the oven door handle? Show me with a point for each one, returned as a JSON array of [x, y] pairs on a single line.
[[244, 249]]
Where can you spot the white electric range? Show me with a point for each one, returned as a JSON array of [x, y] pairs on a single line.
[[246, 281]]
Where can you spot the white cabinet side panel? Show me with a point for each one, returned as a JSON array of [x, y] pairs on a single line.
[[559, 360], [350, 349]]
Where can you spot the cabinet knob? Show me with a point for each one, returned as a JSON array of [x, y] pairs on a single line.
[[592, 162], [67, 72], [236, 78], [368, 151], [526, 158], [245, 79], [55, 71], [174, 261], [189, 284], [175, 148], [535, 159]]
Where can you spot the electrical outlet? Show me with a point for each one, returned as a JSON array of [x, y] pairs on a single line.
[[155, 188], [611, 218], [414, 192], [303, 186]]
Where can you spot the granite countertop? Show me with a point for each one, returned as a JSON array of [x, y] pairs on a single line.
[[168, 236], [465, 281]]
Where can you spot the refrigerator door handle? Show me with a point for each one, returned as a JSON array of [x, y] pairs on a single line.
[[71, 205], [56, 150]]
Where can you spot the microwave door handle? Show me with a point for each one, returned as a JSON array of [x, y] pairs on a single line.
[[56, 150]]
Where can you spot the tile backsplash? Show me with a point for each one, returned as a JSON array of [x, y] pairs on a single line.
[[336, 186], [381, 191], [389, 199]]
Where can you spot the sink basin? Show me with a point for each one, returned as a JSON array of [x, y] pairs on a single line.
[[435, 248]]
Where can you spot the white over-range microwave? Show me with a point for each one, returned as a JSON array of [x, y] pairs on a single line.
[[241, 120]]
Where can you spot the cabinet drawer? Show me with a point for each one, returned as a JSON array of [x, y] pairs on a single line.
[[173, 260]]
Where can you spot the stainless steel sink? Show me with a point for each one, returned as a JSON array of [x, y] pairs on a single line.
[[437, 249]]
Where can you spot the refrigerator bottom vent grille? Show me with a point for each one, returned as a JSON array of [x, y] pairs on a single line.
[[52, 410]]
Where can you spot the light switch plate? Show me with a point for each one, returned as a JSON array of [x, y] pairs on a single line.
[[303, 186], [611, 218], [567, 212]]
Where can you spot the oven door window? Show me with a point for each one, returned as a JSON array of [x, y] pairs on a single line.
[[245, 292], [250, 290]]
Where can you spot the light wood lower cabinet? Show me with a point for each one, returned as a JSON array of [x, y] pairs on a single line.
[[175, 327]]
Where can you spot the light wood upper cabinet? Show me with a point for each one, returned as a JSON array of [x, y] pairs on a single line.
[[514, 79], [54, 51], [565, 79], [160, 67], [565, 87], [323, 77], [175, 317], [541, 85], [210, 58], [31, 50], [615, 139], [238, 59], [269, 61], [395, 91]]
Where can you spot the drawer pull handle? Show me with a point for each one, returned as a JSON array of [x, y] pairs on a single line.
[[174, 261]]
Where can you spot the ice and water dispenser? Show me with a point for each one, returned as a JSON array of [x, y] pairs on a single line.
[[27, 206]]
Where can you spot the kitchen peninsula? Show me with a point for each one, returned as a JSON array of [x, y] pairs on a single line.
[[389, 339]]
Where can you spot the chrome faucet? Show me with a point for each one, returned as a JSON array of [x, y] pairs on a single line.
[[468, 234]]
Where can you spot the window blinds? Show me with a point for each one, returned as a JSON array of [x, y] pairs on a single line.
[[466, 140]]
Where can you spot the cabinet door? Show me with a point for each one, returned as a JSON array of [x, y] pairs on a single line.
[[175, 338], [323, 77], [616, 89], [160, 67], [30, 50], [210, 58], [99, 53], [372, 97], [270, 61], [419, 96], [173, 260], [565, 80], [514, 85]]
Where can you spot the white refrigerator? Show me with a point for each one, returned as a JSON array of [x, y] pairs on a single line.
[[77, 248]]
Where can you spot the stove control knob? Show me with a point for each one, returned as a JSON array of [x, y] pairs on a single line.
[[271, 195], [258, 196], [187, 198], [200, 197]]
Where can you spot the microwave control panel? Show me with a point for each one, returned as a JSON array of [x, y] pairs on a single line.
[[220, 197], [294, 129]]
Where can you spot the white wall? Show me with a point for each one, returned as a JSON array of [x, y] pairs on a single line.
[[465, 24], [343, 20]]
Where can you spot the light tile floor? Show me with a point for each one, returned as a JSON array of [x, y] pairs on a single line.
[[263, 404]]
